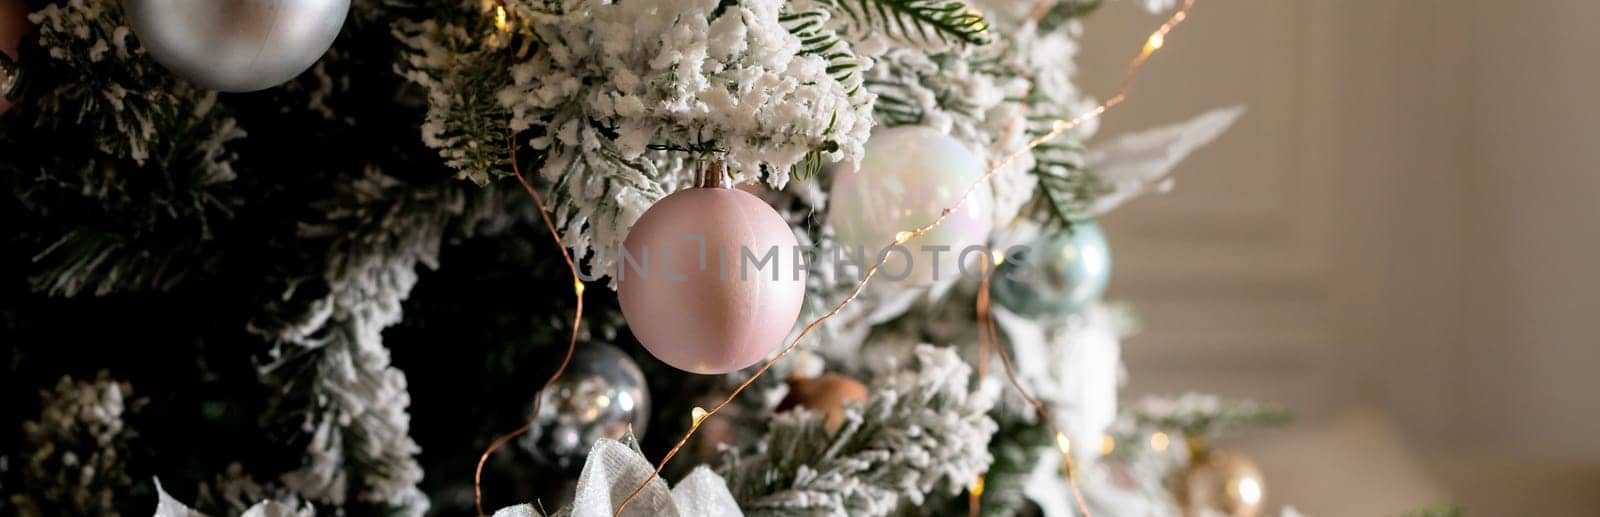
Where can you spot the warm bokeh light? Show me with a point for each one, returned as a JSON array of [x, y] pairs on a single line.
[[1160, 441], [1249, 491], [697, 414], [1155, 42]]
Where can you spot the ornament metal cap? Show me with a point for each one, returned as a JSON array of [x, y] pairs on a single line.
[[714, 175]]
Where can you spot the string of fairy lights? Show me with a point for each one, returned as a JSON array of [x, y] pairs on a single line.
[[989, 336], [577, 319]]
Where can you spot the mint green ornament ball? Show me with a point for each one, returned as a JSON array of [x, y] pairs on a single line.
[[1062, 272]]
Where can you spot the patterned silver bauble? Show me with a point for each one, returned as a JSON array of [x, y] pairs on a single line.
[[11, 77], [601, 395], [1061, 273], [237, 45], [14, 25]]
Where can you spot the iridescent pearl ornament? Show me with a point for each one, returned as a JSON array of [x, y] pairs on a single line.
[[708, 283], [602, 394], [236, 45], [907, 178], [1063, 272]]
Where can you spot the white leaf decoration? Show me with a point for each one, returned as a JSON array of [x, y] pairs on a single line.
[[168, 506], [1137, 163], [614, 470]]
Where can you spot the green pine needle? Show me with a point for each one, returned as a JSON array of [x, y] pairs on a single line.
[[843, 65], [921, 22]]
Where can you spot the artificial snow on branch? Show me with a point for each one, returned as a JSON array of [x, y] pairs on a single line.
[[923, 429], [126, 167], [463, 73], [79, 446], [620, 95], [331, 361]]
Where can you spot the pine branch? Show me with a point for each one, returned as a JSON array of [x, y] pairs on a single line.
[[1066, 11], [78, 449], [1065, 187], [462, 75], [895, 106], [926, 23], [920, 431], [1016, 448], [811, 27], [335, 376], [1204, 416], [817, 39], [126, 167]]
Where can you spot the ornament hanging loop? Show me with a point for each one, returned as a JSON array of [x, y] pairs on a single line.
[[713, 175]]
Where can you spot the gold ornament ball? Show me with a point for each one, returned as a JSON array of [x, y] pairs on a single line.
[[826, 394], [1222, 482]]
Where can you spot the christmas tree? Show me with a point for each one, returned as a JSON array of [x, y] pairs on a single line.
[[697, 257]]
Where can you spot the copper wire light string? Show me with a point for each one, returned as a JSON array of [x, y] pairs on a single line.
[[989, 335], [993, 331], [975, 492], [572, 342]]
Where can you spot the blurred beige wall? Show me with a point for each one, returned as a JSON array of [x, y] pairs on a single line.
[[1406, 219]]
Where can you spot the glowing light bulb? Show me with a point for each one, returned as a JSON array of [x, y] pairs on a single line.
[[999, 257], [1249, 491], [697, 414], [1107, 445], [977, 486], [1160, 441], [1063, 443], [1155, 42], [902, 237], [500, 17], [577, 287]]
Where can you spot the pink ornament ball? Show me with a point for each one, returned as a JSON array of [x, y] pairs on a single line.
[[708, 282]]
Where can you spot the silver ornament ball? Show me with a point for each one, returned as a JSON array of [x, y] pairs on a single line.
[[237, 45], [601, 395]]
